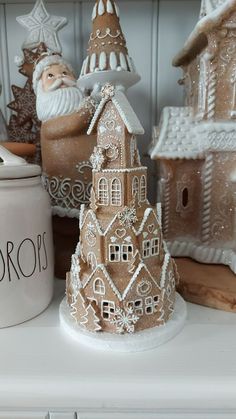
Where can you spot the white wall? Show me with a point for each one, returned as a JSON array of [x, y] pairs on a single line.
[[155, 30]]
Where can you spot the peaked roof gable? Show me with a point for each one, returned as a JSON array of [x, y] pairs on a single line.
[[198, 39], [125, 110]]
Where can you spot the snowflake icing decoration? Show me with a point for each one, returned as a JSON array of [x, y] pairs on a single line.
[[127, 217], [97, 158], [124, 320], [108, 90]]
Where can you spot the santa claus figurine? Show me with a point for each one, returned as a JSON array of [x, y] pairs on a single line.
[[65, 114]]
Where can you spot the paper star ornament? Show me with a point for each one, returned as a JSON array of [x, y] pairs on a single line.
[[42, 27]]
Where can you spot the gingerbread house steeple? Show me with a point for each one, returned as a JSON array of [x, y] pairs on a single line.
[[121, 267], [107, 58]]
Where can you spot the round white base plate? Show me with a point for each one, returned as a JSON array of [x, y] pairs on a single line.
[[140, 341], [123, 78]]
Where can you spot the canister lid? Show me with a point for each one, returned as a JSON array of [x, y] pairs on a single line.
[[14, 167]]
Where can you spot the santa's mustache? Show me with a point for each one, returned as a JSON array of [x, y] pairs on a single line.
[[58, 82]]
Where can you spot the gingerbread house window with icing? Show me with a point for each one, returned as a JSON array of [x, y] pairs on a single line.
[[195, 145]]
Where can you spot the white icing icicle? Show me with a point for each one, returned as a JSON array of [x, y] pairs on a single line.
[[113, 60], [92, 62], [101, 8], [117, 10], [82, 69], [102, 61], [123, 61], [110, 7], [94, 14], [131, 64], [86, 65]]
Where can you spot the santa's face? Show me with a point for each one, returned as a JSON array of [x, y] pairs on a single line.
[[54, 75]]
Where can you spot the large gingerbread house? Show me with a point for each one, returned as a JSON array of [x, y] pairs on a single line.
[[122, 279], [195, 145]]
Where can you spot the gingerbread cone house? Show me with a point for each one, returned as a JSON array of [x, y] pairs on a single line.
[[122, 278], [196, 149], [107, 58]]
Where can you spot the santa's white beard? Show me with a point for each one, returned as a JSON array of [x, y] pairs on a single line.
[[62, 101]]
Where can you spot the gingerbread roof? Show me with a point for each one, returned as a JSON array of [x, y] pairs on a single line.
[[125, 110], [121, 295], [180, 136], [174, 140], [198, 38]]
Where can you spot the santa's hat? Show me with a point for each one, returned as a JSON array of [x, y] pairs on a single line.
[[44, 61], [108, 59]]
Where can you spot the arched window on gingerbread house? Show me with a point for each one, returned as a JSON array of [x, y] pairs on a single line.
[[103, 192], [135, 187], [99, 286], [116, 192], [143, 188]]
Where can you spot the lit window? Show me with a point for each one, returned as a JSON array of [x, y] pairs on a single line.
[[135, 187], [108, 308], [143, 188], [116, 192], [146, 248], [103, 191], [155, 246], [98, 286]]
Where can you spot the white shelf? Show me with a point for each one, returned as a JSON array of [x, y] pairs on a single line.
[[42, 369]]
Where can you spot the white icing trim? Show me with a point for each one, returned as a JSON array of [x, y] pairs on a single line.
[[113, 60], [103, 233], [203, 254], [123, 62], [207, 192], [129, 169], [92, 64], [104, 270], [102, 60], [159, 213], [96, 115], [66, 212], [82, 210], [94, 14], [101, 8], [117, 9], [164, 269], [205, 25], [110, 7], [127, 113], [125, 110]]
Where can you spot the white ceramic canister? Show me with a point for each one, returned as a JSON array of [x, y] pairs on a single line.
[[26, 244]]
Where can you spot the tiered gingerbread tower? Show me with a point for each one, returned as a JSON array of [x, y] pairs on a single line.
[[107, 58], [122, 278]]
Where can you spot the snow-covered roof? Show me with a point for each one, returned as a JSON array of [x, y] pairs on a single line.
[[197, 39], [125, 110], [180, 136], [172, 139]]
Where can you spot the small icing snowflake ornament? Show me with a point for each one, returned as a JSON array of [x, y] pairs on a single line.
[[42, 27], [125, 320], [98, 158], [127, 217]]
